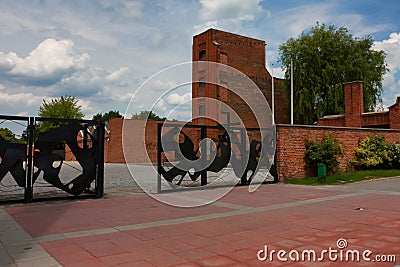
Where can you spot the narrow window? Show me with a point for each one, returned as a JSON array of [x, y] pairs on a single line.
[[202, 110], [202, 82], [223, 58], [202, 55]]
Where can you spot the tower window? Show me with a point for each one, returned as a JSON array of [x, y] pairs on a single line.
[[202, 55], [223, 58], [202, 82], [202, 110]]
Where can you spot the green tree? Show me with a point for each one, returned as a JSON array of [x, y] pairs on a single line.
[[7, 135], [323, 59], [107, 116], [147, 115], [65, 107]]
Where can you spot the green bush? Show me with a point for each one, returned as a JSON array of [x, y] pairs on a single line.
[[394, 154], [375, 153], [325, 152]]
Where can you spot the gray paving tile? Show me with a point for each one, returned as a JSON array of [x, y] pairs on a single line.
[[18, 248], [42, 262], [5, 258]]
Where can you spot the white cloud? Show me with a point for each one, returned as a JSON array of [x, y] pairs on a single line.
[[160, 107], [86, 107], [48, 63], [391, 47], [21, 99], [229, 9], [177, 99], [116, 75], [161, 85]]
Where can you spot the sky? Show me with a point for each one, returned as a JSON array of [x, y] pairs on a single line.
[[102, 51]]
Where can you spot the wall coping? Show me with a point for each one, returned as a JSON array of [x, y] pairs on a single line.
[[336, 128]]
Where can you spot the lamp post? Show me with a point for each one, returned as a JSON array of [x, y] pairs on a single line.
[[273, 96], [291, 90]]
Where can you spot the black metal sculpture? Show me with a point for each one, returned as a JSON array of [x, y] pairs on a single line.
[[19, 160], [45, 157], [13, 157], [220, 155]]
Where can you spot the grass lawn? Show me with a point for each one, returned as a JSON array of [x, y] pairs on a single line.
[[345, 177]]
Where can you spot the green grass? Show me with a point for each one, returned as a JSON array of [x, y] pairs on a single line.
[[345, 177]]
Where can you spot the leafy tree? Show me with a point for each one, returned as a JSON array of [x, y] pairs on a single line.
[[65, 107], [7, 135], [107, 116], [323, 59], [147, 115]]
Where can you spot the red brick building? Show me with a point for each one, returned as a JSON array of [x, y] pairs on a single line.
[[354, 112], [244, 54]]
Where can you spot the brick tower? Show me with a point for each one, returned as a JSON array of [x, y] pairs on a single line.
[[244, 54]]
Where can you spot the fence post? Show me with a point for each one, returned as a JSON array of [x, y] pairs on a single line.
[[159, 151], [85, 135], [28, 194], [204, 155], [243, 155], [100, 160]]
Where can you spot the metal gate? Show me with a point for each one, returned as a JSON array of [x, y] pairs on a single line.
[[52, 157], [199, 153]]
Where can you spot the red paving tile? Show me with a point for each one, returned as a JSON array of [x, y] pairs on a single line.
[[114, 260], [101, 248], [225, 241], [196, 254], [141, 263], [216, 261]]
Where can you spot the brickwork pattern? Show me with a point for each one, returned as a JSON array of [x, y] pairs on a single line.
[[291, 145], [246, 55]]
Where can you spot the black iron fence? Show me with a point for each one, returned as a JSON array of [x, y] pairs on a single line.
[[34, 164], [189, 155]]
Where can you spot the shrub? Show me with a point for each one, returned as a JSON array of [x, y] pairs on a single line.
[[325, 152], [394, 154], [375, 153]]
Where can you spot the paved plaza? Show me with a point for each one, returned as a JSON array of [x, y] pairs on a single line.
[[129, 228]]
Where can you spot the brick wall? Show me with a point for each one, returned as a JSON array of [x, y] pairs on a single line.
[[354, 112], [333, 120], [140, 142], [291, 145]]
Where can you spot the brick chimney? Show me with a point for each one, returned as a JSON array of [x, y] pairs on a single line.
[[353, 103], [394, 115]]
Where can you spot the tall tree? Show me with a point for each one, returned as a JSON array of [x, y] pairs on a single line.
[[65, 107], [147, 115], [107, 116], [7, 135], [323, 59]]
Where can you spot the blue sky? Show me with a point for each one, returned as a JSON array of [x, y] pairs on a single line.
[[102, 51]]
